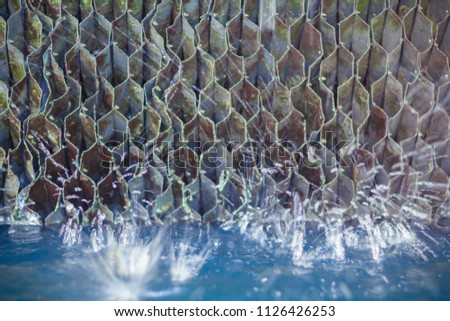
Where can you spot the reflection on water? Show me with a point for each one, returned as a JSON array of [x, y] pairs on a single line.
[[300, 262]]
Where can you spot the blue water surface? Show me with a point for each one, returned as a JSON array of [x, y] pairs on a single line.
[[36, 265]]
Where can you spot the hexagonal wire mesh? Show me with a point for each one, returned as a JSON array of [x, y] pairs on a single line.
[[214, 110]]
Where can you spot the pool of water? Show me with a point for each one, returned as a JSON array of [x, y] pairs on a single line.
[[202, 262]]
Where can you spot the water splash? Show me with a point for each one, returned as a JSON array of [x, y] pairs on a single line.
[[185, 263], [126, 264], [310, 241], [298, 229], [71, 232]]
